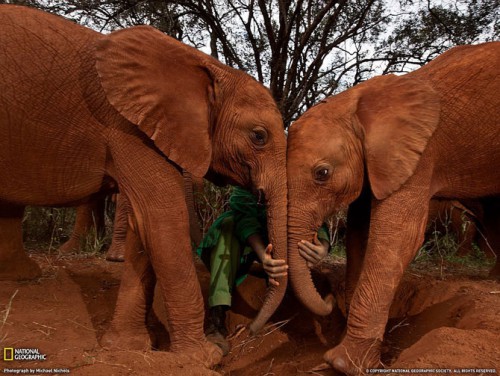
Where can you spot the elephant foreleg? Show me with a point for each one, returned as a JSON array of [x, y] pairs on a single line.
[[358, 218], [135, 298], [155, 190], [14, 262], [395, 234]]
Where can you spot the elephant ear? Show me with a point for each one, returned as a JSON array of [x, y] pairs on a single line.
[[162, 86], [399, 114]]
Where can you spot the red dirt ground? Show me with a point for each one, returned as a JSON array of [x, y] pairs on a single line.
[[439, 320]]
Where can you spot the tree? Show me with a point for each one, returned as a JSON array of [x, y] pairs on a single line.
[[292, 46], [303, 50], [109, 15], [431, 28]]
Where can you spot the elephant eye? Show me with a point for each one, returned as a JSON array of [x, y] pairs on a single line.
[[259, 136], [321, 173]]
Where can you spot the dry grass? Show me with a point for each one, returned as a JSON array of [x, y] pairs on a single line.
[[5, 315], [211, 203]]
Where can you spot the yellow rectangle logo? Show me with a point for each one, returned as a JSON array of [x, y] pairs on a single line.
[[8, 354]]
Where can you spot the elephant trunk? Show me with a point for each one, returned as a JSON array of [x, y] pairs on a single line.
[[276, 226], [300, 274]]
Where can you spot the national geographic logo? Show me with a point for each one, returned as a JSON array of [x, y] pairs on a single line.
[[10, 354]]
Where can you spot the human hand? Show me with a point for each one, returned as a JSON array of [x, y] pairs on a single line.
[[313, 252], [274, 267]]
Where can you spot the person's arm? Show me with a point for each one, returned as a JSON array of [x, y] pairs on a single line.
[[250, 230], [274, 268]]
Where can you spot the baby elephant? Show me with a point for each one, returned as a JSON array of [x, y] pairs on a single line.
[[384, 148]]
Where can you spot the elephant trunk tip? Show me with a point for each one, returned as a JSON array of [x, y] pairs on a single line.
[[273, 299], [254, 328], [329, 303], [324, 308]]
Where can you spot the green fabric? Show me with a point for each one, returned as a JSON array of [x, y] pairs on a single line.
[[249, 217], [323, 233], [224, 248], [228, 262]]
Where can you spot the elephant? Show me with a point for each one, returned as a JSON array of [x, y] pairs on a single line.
[[463, 220], [90, 217], [382, 149], [80, 110]]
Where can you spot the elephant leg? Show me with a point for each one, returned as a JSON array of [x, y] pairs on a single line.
[[396, 232], [155, 190], [15, 264], [358, 218], [135, 298], [491, 224], [194, 226], [181, 292], [116, 251], [89, 216]]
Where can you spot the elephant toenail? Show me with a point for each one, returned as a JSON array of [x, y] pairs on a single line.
[[339, 364]]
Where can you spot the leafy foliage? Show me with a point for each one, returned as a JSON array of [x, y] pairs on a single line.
[[433, 28], [50, 227], [442, 244], [210, 204], [47, 225]]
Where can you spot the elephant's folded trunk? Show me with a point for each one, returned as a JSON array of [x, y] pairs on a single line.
[[276, 222], [300, 275]]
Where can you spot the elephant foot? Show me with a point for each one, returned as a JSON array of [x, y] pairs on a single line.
[[353, 356], [115, 254], [71, 246], [131, 340], [206, 353], [19, 268]]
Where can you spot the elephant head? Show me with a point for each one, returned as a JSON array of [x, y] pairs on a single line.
[[370, 136], [207, 118]]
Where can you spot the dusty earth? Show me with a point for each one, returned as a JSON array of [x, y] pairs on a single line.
[[441, 319]]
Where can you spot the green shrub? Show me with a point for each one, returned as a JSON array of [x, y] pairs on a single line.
[[47, 226]]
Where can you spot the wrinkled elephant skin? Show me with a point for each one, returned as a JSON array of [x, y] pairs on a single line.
[[384, 148], [90, 221], [80, 110]]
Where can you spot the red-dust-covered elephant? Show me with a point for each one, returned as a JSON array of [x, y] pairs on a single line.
[[80, 110], [385, 148]]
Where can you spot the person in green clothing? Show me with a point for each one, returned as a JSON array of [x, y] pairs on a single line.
[[234, 241]]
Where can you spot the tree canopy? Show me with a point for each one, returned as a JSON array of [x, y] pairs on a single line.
[[303, 50]]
